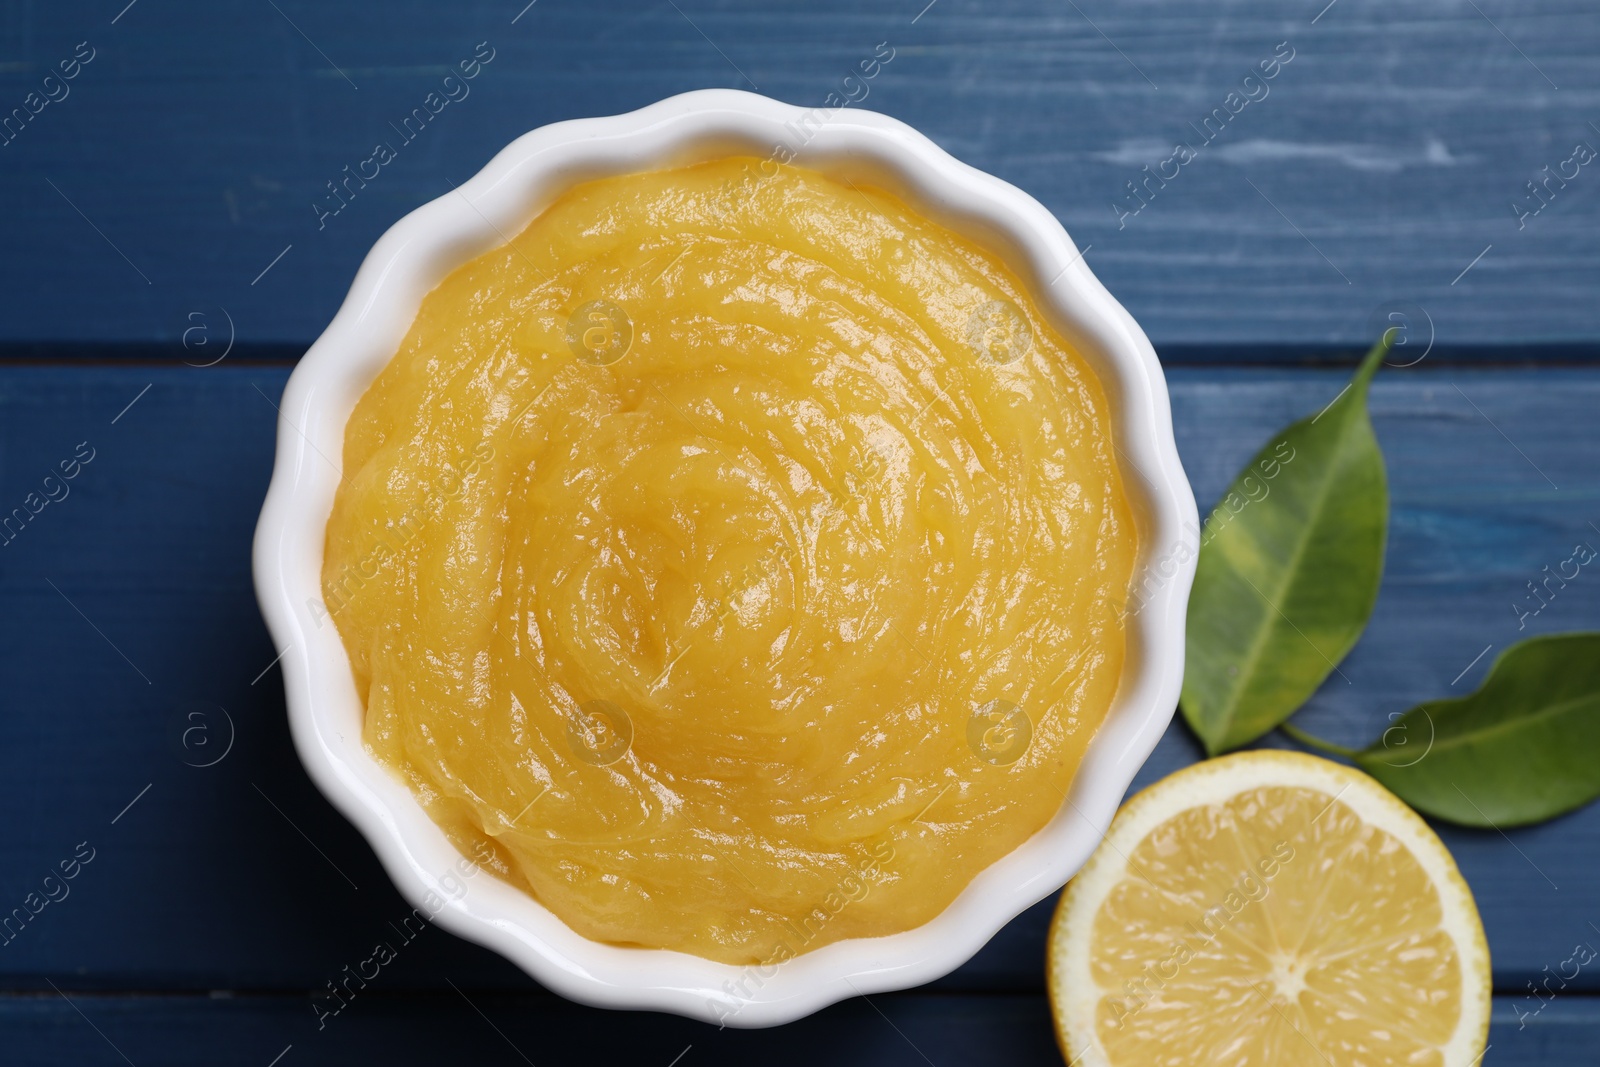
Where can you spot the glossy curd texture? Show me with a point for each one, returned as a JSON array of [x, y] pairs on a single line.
[[737, 557]]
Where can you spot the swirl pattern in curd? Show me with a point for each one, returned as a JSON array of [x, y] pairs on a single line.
[[736, 560]]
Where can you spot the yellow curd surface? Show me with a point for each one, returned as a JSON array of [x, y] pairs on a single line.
[[736, 557]]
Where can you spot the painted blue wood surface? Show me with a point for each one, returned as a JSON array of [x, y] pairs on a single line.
[[186, 157], [489, 1028], [172, 186], [128, 607]]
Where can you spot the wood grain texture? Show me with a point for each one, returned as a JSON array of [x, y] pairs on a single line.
[[128, 606], [468, 1025], [1383, 159], [167, 200]]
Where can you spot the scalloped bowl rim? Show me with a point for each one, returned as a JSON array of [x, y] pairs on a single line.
[[325, 711]]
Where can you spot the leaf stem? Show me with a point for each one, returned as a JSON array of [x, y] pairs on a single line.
[[1316, 742]]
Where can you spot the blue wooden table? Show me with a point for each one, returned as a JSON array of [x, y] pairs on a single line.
[[169, 248]]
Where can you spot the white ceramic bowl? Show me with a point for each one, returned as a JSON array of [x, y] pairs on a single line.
[[325, 712]]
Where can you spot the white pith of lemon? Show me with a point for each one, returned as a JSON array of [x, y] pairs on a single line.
[[1269, 909]]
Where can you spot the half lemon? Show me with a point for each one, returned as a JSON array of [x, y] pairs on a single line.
[[1269, 909]]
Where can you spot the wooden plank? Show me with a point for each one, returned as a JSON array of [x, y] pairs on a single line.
[[475, 1026], [129, 605], [1385, 157]]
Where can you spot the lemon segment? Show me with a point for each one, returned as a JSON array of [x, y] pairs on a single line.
[[1269, 909]]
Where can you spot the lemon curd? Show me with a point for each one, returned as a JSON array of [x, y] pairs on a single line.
[[736, 559]]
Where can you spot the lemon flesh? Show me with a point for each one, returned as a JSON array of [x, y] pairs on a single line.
[[1267, 910]]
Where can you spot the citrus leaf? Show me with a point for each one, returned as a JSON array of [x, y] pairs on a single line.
[[1520, 750], [1290, 562]]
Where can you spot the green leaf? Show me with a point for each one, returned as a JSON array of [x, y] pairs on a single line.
[[1524, 748], [1288, 573]]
